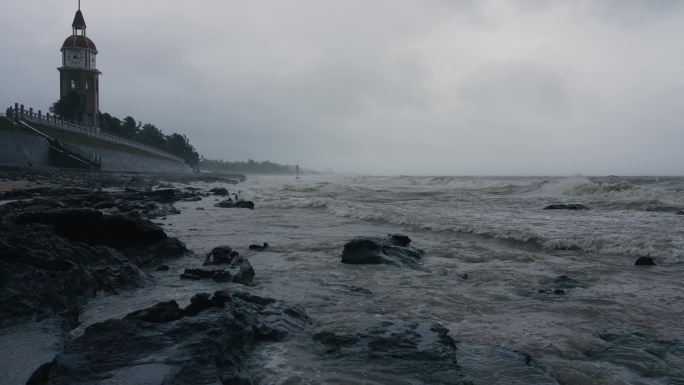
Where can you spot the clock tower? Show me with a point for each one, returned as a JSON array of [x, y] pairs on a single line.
[[78, 72]]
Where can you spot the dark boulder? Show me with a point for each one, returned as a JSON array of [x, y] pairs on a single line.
[[568, 206], [221, 255], [141, 240], [42, 273], [237, 268], [390, 250], [680, 212], [645, 261], [220, 191], [160, 313], [420, 353], [656, 361], [400, 239], [565, 282], [259, 247], [216, 275], [209, 344], [228, 203]]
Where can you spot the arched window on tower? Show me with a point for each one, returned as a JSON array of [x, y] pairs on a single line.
[[87, 85], [73, 84]]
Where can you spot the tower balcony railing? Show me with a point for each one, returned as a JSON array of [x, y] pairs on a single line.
[[28, 115]]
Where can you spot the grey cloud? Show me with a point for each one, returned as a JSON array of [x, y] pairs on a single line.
[[400, 87]]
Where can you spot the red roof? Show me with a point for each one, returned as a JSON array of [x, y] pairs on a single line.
[[78, 41], [79, 21]]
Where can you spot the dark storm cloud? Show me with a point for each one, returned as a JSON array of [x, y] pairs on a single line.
[[438, 87]]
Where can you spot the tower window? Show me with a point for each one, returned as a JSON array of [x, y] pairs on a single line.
[[73, 84], [87, 84]]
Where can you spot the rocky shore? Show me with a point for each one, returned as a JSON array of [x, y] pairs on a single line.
[[68, 238]]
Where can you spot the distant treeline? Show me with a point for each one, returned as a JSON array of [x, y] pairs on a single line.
[[250, 166], [72, 106]]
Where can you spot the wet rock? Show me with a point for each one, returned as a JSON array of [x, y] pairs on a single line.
[[553, 291], [565, 282], [400, 352], [220, 191], [238, 269], [350, 288], [163, 268], [368, 250], [645, 261], [652, 359], [568, 206], [228, 203], [400, 239], [680, 212], [259, 247], [141, 240], [221, 255], [160, 313], [500, 365], [42, 273], [663, 209], [207, 345]]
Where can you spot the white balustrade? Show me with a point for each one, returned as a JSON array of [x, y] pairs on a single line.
[[55, 122]]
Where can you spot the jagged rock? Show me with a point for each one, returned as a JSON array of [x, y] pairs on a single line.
[[159, 313], [228, 203], [565, 282], [221, 255], [259, 247], [390, 250], [645, 261], [220, 191], [400, 239], [207, 345], [681, 212], [421, 353], [568, 206], [141, 240], [44, 273], [238, 269], [163, 268], [656, 361]]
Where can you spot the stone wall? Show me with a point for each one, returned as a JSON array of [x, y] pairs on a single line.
[[21, 148]]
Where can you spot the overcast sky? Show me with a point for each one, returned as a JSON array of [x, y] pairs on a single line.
[[491, 87]]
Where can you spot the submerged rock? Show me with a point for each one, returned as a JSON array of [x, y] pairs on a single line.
[[394, 250], [568, 206], [398, 351], [645, 261], [220, 191], [205, 343], [228, 203], [500, 365], [237, 268], [565, 282], [655, 360], [259, 247]]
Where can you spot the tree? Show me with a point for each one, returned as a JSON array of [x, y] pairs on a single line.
[[129, 128], [70, 107], [151, 135]]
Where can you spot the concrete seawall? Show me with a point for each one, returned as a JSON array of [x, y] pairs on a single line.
[[21, 148]]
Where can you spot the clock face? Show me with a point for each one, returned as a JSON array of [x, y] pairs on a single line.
[[74, 58]]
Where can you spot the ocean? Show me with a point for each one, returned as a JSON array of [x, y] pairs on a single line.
[[489, 274]]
